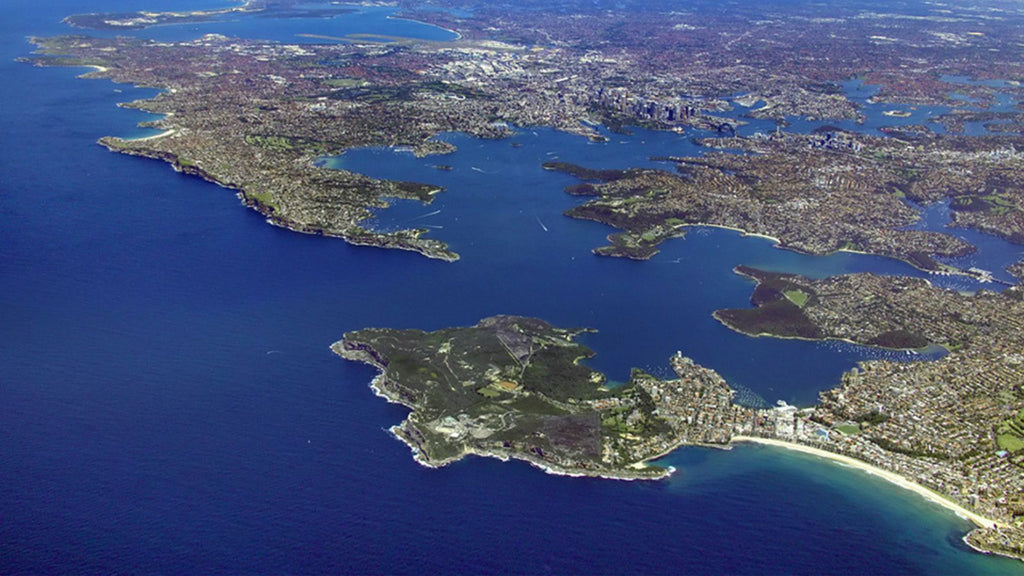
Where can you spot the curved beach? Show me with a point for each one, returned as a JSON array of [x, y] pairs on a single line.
[[896, 479]]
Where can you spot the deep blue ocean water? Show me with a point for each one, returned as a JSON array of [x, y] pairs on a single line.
[[169, 404]]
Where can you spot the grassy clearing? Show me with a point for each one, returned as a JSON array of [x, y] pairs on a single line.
[[1009, 442], [262, 198], [849, 429], [346, 83], [798, 297], [1010, 433]]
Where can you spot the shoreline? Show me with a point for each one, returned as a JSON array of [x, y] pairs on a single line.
[[918, 351], [778, 244], [166, 132], [743, 233], [438, 251], [983, 526], [96, 71], [681, 228], [928, 494], [505, 455], [457, 35], [546, 467]]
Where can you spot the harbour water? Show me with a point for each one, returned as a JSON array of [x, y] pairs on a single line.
[[170, 405]]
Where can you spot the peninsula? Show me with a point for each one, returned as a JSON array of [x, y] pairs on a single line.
[[815, 193], [513, 387], [954, 425]]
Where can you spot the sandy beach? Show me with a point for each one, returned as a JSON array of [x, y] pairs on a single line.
[[457, 35], [896, 479], [163, 134], [96, 69]]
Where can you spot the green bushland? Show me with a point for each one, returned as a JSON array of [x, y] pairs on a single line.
[[778, 318], [422, 192], [345, 82], [535, 405], [265, 199], [582, 189], [993, 203], [775, 312], [554, 373], [891, 446], [629, 246], [873, 418], [922, 260], [899, 339], [584, 173], [1010, 433], [278, 142]]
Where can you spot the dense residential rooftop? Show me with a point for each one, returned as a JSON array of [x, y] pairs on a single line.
[[256, 116]]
